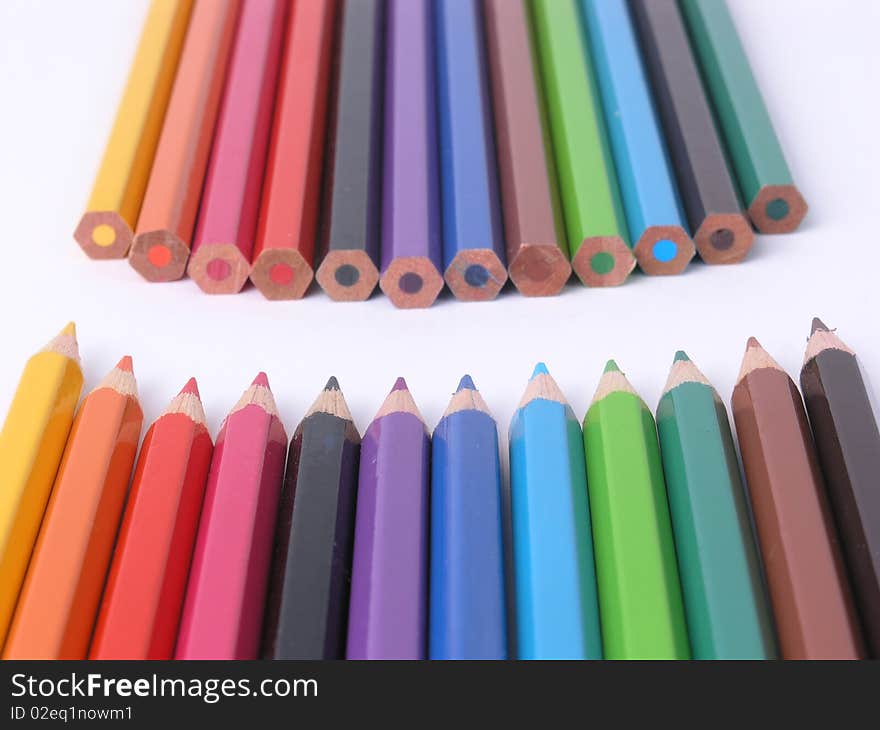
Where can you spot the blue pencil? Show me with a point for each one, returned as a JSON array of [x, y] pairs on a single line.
[[554, 572], [467, 608], [653, 213], [473, 241]]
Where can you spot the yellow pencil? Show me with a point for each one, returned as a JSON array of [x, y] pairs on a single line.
[[106, 228], [31, 444]]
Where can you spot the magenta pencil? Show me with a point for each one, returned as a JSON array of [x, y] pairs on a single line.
[[225, 595], [226, 229]]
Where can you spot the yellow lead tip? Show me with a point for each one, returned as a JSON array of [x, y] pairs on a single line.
[[69, 330]]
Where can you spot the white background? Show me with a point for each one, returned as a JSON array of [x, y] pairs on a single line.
[[62, 68]]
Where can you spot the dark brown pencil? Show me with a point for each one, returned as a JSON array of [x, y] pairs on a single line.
[[537, 259], [720, 230], [848, 443], [815, 618]]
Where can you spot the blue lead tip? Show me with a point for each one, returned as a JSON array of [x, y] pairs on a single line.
[[540, 369], [466, 383], [680, 356]]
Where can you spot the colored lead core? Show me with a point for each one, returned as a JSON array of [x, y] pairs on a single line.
[[410, 283], [347, 275], [722, 239], [218, 269], [281, 274], [104, 235], [778, 209], [602, 263], [159, 256], [664, 250], [476, 275]]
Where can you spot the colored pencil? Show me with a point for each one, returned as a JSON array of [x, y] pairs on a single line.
[[848, 444], [388, 610], [307, 608], [224, 238], [31, 445], [661, 243], [467, 600], [806, 578], [61, 592], [225, 594], [640, 599], [168, 215], [349, 269], [725, 605], [473, 242], [411, 238], [554, 574], [284, 254], [107, 226], [774, 203], [719, 229], [140, 611], [537, 253], [597, 235]]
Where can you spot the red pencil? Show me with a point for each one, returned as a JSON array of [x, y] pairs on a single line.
[[144, 594], [285, 252], [225, 595], [224, 239]]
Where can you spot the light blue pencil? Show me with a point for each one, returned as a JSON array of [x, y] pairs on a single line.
[[554, 573], [653, 214]]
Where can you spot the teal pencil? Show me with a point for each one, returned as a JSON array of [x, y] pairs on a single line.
[[725, 603]]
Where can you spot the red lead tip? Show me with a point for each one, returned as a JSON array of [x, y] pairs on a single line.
[[125, 364], [191, 387], [262, 380]]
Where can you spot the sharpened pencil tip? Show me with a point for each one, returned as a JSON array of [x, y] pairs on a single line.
[[191, 387], [261, 380], [752, 342], [466, 383], [399, 384], [69, 330], [540, 369], [125, 364], [332, 384], [818, 325], [681, 356], [611, 367]]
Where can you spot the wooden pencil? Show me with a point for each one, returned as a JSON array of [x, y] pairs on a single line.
[[140, 610], [284, 254], [388, 610], [307, 606], [227, 221], [226, 590], [163, 236], [349, 269], [467, 599], [598, 239], [537, 253], [557, 613], [806, 578], [412, 255], [61, 593], [106, 228], [642, 612], [725, 604], [848, 444], [473, 242], [720, 231], [661, 242], [774, 203], [31, 446]]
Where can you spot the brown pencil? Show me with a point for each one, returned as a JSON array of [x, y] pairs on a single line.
[[808, 588], [848, 444]]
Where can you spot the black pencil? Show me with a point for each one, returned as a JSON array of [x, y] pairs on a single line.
[[848, 444], [307, 608], [349, 270], [719, 228]]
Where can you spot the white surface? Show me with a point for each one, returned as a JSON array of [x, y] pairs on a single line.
[[62, 68]]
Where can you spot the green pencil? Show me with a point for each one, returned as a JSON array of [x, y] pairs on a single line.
[[640, 603], [775, 204], [598, 240], [725, 604]]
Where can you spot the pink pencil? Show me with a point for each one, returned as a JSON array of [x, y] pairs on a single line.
[[224, 240], [225, 596]]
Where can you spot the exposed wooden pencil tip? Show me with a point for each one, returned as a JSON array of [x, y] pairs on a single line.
[[332, 384], [261, 380], [125, 364], [755, 358], [191, 387], [399, 384], [540, 369], [753, 342], [466, 383], [681, 356], [818, 325], [612, 381], [69, 330], [611, 367]]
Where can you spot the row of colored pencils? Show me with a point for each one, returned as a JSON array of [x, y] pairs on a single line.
[[415, 142], [621, 537]]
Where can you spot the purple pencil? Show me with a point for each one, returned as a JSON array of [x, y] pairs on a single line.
[[387, 615], [412, 248]]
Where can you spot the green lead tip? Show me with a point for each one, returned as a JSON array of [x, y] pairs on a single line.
[[540, 369], [681, 356], [611, 367]]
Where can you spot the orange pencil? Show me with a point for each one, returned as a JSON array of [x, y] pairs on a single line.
[[284, 255], [59, 599], [168, 214], [144, 595]]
